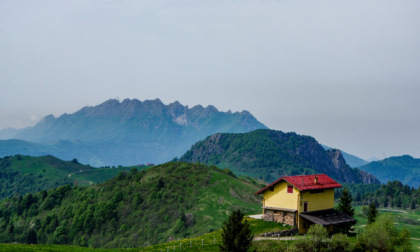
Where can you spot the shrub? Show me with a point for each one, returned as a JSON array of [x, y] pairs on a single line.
[[383, 236], [339, 242], [315, 240]]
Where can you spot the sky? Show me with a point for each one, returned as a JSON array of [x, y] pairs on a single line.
[[345, 72]]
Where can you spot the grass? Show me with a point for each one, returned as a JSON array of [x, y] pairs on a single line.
[[100, 175], [206, 242]]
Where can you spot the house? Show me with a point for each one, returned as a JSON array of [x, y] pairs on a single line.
[[303, 200]]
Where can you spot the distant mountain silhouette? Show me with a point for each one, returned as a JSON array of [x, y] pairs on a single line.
[[402, 168], [127, 132]]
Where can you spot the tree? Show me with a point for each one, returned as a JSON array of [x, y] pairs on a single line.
[[31, 237], [345, 207], [372, 213], [344, 204], [358, 197], [236, 234]]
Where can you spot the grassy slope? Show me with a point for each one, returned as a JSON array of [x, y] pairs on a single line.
[[100, 175], [24, 174], [204, 193], [54, 168], [32, 174]]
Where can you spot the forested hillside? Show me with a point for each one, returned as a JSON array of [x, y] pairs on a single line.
[[403, 168], [25, 174], [173, 200], [391, 194], [269, 154]]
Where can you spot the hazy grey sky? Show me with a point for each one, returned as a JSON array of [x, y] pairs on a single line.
[[345, 72]]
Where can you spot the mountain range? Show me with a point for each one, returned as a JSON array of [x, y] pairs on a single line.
[[270, 154], [125, 133], [403, 168]]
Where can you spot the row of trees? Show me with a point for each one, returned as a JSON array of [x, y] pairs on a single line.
[[392, 194]]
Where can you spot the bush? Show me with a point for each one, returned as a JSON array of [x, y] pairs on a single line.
[[339, 242], [383, 236], [315, 240]]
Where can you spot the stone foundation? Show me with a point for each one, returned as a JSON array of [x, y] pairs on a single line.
[[280, 217]]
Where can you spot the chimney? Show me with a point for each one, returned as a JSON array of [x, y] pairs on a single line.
[[302, 182], [316, 180]]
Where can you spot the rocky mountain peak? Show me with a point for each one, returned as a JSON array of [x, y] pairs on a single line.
[[133, 131]]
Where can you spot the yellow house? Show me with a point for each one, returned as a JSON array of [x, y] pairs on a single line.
[[303, 200]]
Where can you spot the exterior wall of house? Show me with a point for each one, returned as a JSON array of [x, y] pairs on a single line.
[[317, 201], [280, 198]]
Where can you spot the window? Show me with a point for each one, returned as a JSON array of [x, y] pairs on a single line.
[[289, 189]]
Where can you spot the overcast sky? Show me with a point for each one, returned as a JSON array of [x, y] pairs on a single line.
[[345, 72]]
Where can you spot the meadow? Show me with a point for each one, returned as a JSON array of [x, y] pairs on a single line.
[[210, 241]]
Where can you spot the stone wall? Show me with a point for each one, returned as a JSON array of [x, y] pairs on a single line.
[[268, 215], [290, 219], [289, 232], [280, 217]]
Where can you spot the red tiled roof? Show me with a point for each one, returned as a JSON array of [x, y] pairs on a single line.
[[306, 182]]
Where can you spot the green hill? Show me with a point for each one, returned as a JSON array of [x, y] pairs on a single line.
[[269, 154], [402, 168], [25, 174], [173, 200]]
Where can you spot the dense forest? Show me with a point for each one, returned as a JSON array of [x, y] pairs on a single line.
[[392, 194], [133, 209]]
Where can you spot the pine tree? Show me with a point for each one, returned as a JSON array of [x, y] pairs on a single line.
[[344, 204], [358, 197], [372, 213], [236, 234]]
